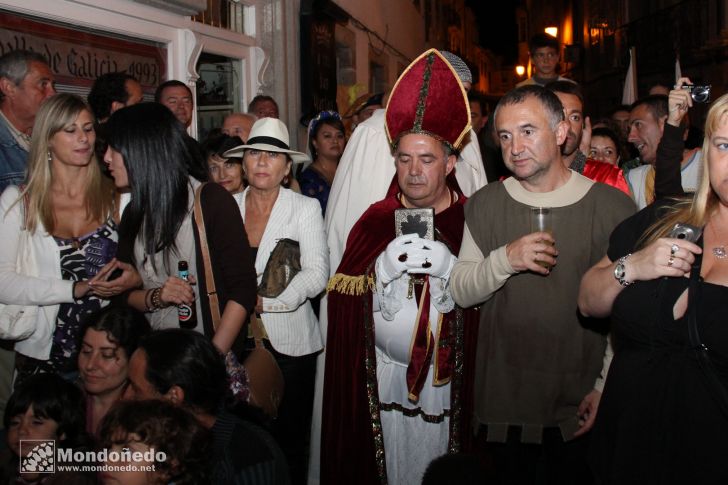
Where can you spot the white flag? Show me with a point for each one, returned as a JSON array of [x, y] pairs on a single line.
[[629, 95], [678, 71]]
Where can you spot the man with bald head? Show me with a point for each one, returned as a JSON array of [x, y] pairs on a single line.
[[238, 124]]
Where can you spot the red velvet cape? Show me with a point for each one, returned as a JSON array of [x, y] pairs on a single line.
[[603, 172], [351, 446], [606, 173]]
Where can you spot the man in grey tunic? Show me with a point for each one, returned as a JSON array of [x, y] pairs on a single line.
[[538, 379]]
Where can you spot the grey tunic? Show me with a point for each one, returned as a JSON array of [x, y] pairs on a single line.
[[536, 358]]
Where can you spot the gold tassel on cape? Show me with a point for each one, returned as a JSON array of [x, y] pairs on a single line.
[[350, 285]]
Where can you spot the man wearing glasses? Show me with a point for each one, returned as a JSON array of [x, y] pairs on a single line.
[[544, 51]]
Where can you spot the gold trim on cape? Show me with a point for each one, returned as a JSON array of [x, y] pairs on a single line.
[[351, 285]]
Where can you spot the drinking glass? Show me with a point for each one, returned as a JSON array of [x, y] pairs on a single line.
[[542, 221]]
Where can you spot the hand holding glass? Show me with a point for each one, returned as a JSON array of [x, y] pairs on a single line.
[[541, 221]]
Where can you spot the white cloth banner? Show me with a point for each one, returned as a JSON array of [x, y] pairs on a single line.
[[629, 95], [678, 71]]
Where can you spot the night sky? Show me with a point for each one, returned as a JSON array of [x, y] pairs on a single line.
[[497, 26]]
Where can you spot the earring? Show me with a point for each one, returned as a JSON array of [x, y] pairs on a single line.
[[50, 157]]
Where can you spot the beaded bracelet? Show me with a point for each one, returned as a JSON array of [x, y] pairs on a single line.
[[157, 303]]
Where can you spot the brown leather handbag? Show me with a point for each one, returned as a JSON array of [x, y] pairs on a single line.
[[265, 380], [283, 264]]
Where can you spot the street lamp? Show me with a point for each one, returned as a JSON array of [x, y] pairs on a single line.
[[552, 31], [520, 70]]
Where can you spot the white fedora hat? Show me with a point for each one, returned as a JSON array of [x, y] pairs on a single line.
[[268, 135]]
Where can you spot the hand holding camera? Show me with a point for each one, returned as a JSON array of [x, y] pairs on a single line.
[[698, 93], [667, 256], [679, 101]]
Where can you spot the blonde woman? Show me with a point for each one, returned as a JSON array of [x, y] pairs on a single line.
[[67, 209], [663, 418]]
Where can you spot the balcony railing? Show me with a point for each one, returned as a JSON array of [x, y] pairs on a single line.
[[225, 14]]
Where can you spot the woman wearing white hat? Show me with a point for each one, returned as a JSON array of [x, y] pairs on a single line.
[[272, 213]]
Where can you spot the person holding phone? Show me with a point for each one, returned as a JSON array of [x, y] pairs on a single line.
[[663, 417], [63, 220]]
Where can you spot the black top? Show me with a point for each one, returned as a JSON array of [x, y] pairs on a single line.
[[658, 420], [244, 454], [668, 178]]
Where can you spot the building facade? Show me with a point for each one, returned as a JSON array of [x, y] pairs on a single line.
[[227, 51], [597, 36]]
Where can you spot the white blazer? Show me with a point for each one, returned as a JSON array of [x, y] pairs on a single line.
[[45, 288], [289, 319]]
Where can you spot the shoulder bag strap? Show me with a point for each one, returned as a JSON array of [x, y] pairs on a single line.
[[25, 205], [205, 250], [258, 330], [718, 389]]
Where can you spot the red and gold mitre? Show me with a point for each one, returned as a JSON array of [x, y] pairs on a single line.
[[429, 98]]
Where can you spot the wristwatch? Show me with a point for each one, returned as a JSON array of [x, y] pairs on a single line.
[[619, 273]]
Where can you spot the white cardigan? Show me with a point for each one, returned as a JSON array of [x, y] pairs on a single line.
[[45, 288], [289, 319]]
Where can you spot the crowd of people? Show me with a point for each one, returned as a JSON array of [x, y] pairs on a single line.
[[379, 310]]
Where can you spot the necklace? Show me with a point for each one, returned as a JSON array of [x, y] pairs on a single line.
[[719, 252]]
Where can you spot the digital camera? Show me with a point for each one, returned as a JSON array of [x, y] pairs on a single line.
[[700, 94], [686, 232]]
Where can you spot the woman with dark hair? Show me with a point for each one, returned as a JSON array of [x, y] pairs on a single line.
[[155, 427], [62, 225], [605, 146], [149, 153], [226, 171], [326, 142], [108, 340]]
